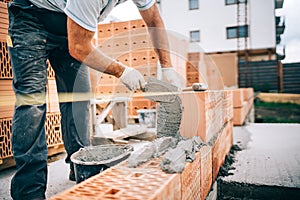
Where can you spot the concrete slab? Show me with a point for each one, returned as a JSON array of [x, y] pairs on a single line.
[[268, 166]]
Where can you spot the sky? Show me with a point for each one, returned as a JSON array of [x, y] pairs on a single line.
[[290, 38]]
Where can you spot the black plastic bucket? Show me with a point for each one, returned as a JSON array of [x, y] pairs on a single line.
[[92, 160]]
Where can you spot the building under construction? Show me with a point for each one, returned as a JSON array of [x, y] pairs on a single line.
[[241, 36]]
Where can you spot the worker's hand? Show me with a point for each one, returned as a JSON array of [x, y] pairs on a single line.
[[133, 79], [170, 75]]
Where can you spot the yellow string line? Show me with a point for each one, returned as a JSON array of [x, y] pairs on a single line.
[[75, 97]]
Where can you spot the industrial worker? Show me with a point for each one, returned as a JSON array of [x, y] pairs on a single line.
[[61, 31]]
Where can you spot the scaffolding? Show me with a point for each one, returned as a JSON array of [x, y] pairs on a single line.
[[242, 37]]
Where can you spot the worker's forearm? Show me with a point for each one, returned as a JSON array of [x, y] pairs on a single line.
[[81, 48], [161, 45], [97, 60]]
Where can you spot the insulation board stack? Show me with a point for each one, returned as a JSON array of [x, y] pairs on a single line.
[[7, 99], [243, 99]]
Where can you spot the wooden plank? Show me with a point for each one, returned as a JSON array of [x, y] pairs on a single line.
[[119, 112], [124, 133], [55, 149], [279, 97]]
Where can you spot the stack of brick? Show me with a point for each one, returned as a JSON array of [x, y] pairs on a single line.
[[243, 99], [129, 43], [148, 181], [201, 68], [7, 99]]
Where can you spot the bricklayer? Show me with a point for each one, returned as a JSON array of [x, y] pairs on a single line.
[[5, 65]]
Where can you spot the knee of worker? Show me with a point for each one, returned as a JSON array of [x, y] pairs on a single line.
[[30, 90], [34, 99], [76, 122]]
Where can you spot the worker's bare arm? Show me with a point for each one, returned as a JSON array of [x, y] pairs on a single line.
[[158, 34], [82, 49]]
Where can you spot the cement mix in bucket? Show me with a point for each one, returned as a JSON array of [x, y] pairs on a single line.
[[90, 161], [102, 154]]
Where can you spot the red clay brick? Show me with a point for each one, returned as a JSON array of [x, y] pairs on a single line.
[[190, 180], [121, 182], [221, 148], [205, 171]]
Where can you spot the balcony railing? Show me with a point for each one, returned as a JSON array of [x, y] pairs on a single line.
[[280, 52], [280, 24]]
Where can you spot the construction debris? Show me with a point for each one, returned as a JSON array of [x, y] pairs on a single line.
[[142, 155], [151, 150], [175, 159]]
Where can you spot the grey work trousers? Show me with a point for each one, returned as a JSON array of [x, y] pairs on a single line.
[[32, 45]]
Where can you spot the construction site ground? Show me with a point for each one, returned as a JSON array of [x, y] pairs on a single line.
[[264, 164]]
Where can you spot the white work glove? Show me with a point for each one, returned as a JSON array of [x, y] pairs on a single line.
[[132, 79], [169, 74]]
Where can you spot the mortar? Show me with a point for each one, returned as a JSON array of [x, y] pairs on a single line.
[[92, 160]]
